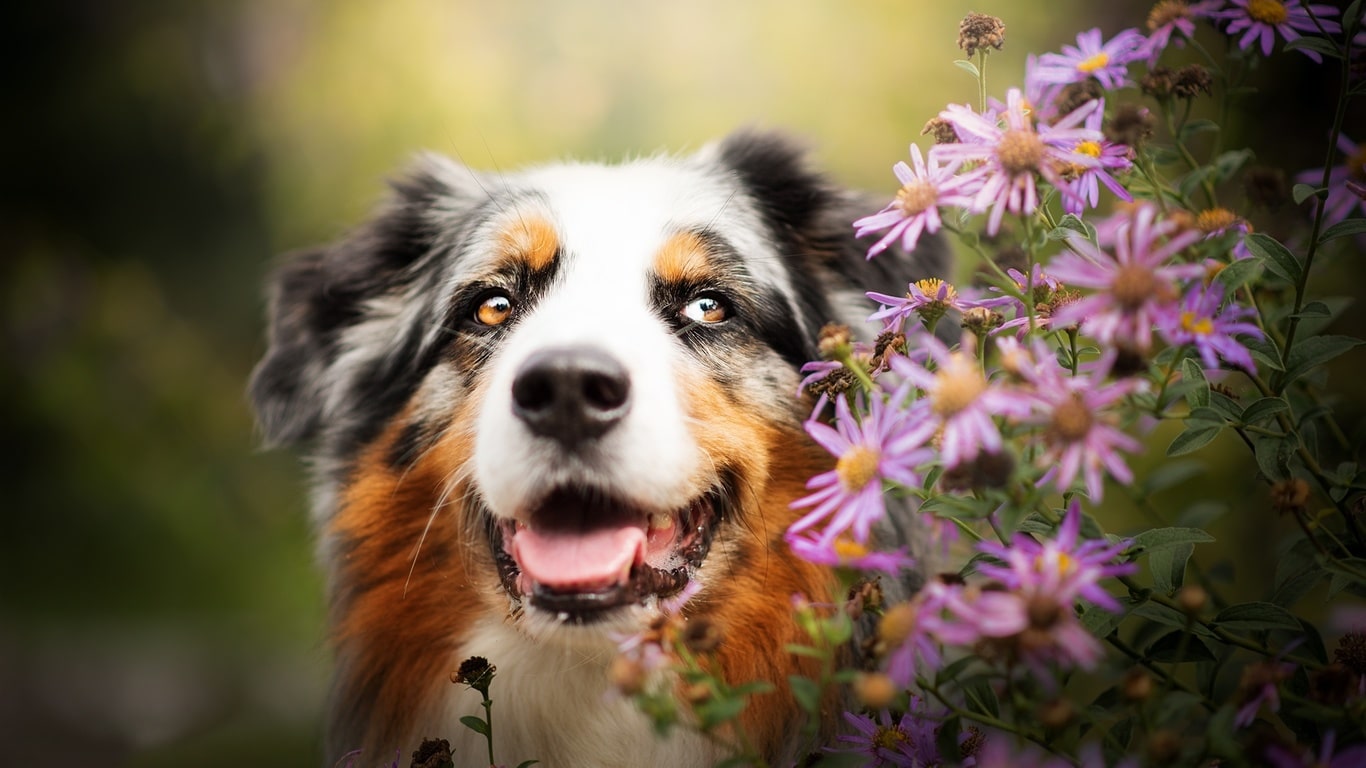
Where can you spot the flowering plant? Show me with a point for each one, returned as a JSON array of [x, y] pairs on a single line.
[[1118, 297]]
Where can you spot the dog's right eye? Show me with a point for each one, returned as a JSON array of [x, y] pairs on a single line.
[[494, 309]]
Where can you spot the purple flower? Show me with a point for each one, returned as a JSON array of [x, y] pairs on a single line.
[[1170, 16], [1081, 184], [924, 189], [1012, 155], [1043, 292], [1048, 578], [1342, 200], [1260, 686], [1078, 438], [929, 298], [1106, 62], [849, 497], [910, 741], [959, 404], [947, 613], [1063, 569], [844, 552], [1199, 321], [1260, 20], [1134, 284]]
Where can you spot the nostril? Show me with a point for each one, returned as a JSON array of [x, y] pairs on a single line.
[[605, 391], [534, 389], [571, 394]]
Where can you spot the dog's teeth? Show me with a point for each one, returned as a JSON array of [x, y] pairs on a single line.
[[660, 521]]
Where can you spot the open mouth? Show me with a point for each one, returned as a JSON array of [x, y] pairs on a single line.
[[581, 553]]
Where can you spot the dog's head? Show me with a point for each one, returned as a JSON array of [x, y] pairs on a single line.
[[586, 375]]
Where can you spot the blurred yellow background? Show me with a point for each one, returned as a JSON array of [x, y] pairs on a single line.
[[159, 606]]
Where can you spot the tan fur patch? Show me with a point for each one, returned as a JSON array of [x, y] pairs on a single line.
[[683, 258], [530, 240]]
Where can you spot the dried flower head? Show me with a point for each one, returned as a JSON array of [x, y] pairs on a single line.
[[1132, 126], [1290, 495], [1191, 81], [433, 753], [980, 31], [1158, 83], [476, 672], [941, 129]]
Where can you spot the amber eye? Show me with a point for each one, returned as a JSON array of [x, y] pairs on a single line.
[[707, 308], [495, 309]]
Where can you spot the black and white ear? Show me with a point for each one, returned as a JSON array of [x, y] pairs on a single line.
[[320, 298], [815, 220]]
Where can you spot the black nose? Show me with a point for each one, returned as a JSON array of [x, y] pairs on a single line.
[[571, 394]]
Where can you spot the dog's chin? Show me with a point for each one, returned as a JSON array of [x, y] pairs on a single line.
[[581, 557]]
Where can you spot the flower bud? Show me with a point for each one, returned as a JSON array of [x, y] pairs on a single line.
[[1192, 600], [874, 690]]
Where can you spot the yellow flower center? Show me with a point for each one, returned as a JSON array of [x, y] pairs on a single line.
[[1267, 11], [1088, 148], [1072, 420], [1020, 151], [1198, 325], [1063, 565], [857, 467], [1165, 12], [1097, 61], [889, 737], [930, 287], [1132, 287], [1356, 163], [916, 197], [848, 549], [956, 385], [1215, 219]]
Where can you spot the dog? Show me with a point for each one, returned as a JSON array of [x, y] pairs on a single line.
[[535, 405]]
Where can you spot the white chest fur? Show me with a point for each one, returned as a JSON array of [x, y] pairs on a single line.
[[553, 704]]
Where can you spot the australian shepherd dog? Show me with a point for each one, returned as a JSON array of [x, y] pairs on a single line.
[[537, 404]]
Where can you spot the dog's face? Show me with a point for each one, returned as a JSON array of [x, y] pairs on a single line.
[[559, 396]]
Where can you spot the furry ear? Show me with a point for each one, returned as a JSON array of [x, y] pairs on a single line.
[[815, 220], [317, 294]]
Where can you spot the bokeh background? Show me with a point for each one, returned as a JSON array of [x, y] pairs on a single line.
[[158, 601]]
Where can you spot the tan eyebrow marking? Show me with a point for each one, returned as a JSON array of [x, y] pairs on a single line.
[[532, 241], [683, 259]]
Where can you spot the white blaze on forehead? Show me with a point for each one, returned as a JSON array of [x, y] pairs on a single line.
[[610, 223]]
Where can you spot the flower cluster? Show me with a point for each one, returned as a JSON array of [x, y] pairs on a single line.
[[1118, 295]]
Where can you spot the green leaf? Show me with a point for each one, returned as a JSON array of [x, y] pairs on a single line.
[[1275, 256], [475, 724], [1344, 228], [528, 763], [1239, 273], [1176, 646], [1198, 394], [1273, 456], [967, 66], [1168, 566], [1158, 538], [980, 696], [1263, 410], [1315, 351], [1196, 127], [1265, 351], [1170, 617], [1202, 513], [723, 709], [1315, 310], [1317, 44], [1228, 163], [1301, 192], [1193, 439], [1099, 621], [1256, 617], [1169, 474], [807, 692]]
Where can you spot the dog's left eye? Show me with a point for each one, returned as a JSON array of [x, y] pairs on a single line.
[[707, 308]]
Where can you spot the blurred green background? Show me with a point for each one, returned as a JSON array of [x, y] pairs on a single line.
[[159, 603]]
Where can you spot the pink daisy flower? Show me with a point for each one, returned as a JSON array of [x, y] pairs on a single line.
[[924, 189], [954, 614], [849, 497], [959, 405], [1169, 16], [1013, 155], [1259, 20], [1082, 183], [911, 741], [1342, 200], [1107, 62], [930, 298], [1134, 284], [1200, 322], [1078, 438], [844, 552]]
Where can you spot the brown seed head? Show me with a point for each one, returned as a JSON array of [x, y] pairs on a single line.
[[980, 31], [701, 635], [1192, 599], [1290, 495], [1191, 81], [874, 689], [1137, 685], [942, 131], [1132, 126], [1158, 83]]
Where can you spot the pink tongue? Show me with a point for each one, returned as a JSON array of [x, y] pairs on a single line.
[[579, 561]]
